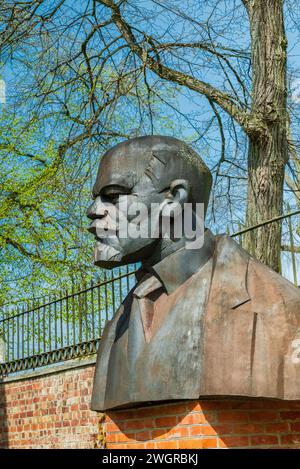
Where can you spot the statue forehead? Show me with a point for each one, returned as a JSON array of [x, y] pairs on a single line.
[[125, 163], [156, 156], [122, 165]]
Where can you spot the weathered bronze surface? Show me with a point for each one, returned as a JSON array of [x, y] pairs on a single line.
[[207, 322]]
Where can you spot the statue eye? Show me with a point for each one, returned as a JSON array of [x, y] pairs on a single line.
[[113, 197]]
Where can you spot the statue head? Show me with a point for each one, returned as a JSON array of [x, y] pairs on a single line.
[[149, 172]]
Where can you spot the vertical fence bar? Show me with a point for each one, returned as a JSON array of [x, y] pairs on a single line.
[[61, 319], [80, 308], [67, 316], [120, 287], [86, 311], [3, 334], [27, 324], [73, 314], [55, 321], [127, 278], [50, 322], [113, 291], [32, 314], [23, 331], [93, 310], [44, 327], [18, 334], [13, 338], [7, 340], [39, 324], [99, 309], [105, 297]]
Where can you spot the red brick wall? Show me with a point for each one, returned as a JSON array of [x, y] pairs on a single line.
[[207, 424], [49, 411], [52, 411]]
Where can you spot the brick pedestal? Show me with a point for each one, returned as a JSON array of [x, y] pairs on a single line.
[[237, 423]]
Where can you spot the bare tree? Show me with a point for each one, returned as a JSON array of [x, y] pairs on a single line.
[[231, 52]]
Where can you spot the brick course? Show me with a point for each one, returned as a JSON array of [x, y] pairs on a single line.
[[49, 411], [234, 423]]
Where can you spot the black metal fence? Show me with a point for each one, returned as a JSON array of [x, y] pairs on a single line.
[[67, 325]]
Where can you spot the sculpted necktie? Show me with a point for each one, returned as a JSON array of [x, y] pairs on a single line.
[[147, 293]]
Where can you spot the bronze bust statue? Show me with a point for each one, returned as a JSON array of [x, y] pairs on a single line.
[[211, 321]]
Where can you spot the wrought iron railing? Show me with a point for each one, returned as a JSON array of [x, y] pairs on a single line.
[[68, 325]]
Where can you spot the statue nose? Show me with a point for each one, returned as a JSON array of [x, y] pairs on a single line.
[[96, 210], [92, 228]]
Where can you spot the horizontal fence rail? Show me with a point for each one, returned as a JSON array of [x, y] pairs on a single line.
[[70, 324], [66, 326]]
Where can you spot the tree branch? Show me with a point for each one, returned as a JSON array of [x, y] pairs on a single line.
[[287, 248], [225, 101]]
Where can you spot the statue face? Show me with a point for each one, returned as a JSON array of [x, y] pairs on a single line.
[[138, 182], [122, 187]]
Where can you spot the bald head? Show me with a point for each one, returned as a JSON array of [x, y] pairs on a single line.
[[161, 159]]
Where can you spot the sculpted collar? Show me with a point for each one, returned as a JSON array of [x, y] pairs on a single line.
[[174, 269]]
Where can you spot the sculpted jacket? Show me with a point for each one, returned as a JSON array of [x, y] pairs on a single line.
[[232, 328]]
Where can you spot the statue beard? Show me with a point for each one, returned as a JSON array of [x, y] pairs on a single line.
[[105, 253]]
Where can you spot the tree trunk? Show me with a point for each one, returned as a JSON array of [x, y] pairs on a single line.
[[268, 148]]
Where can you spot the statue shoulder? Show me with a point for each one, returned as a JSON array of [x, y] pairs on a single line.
[[272, 283], [265, 286], [227, 249]]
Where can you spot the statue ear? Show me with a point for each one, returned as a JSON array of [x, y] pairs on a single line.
[[180, 190], [178, 195]]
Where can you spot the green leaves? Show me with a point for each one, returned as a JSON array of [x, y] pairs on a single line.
[[35, 228]]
